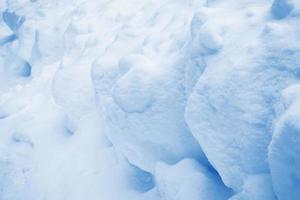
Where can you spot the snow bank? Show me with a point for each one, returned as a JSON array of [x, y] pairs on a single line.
[[143, 95], [149, 100]]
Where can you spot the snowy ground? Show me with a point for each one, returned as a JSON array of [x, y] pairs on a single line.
[[149, 100]]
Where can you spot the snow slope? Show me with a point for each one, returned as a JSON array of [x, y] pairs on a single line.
[[149, 99]]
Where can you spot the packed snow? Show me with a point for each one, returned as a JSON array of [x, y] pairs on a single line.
[[149, 100]]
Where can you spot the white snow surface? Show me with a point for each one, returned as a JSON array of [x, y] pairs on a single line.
[[149, 99]]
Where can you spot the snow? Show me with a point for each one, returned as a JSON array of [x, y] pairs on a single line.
[[149, 100], [145, 113], [281, 8], [189, 180], [284, 148], [256, 187]]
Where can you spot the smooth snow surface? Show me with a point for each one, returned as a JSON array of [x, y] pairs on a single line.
[[149, 100]]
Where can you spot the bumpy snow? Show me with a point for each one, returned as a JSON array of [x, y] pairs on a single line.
[[149, 100]]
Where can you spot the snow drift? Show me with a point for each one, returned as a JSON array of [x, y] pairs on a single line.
[[149, 100]]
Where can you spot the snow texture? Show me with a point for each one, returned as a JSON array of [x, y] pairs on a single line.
[[149, 100]]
